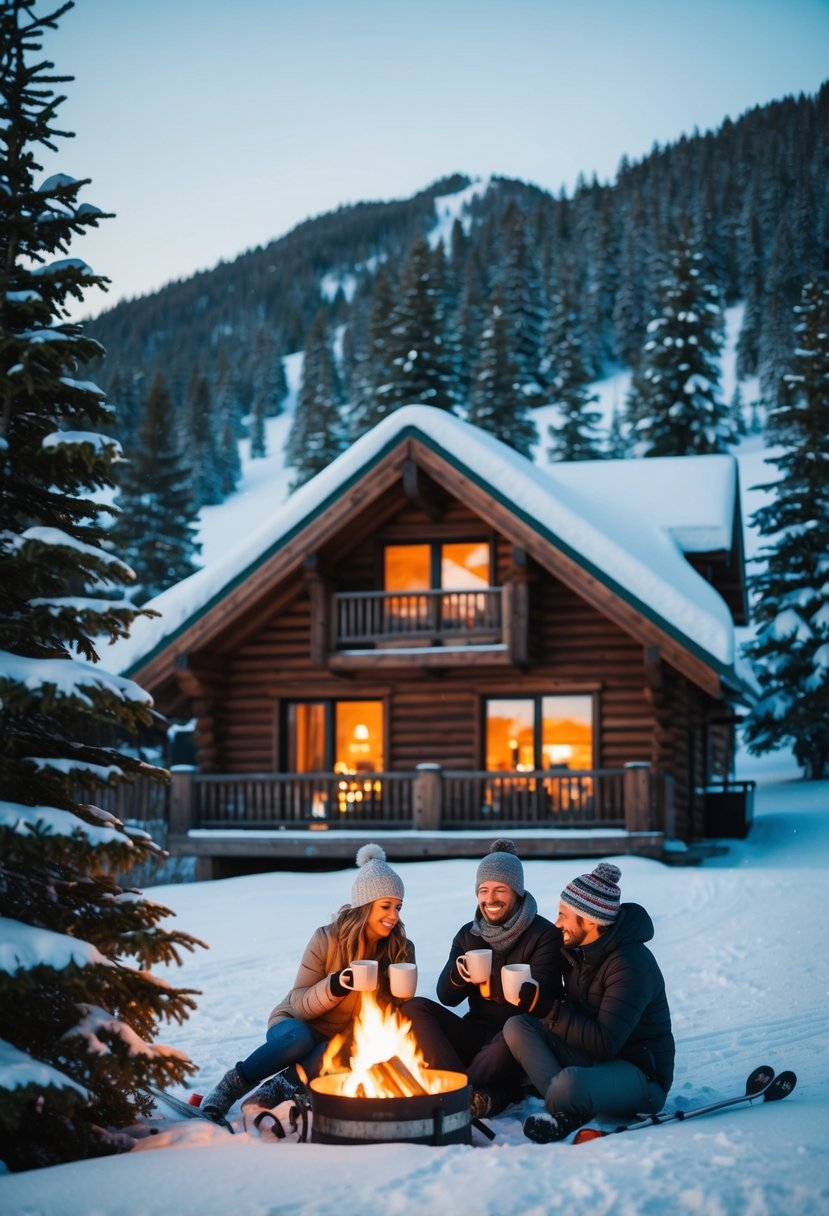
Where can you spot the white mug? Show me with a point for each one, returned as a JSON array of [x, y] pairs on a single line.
[[403, 980], [363, 973], [475, 966], [513, 976]]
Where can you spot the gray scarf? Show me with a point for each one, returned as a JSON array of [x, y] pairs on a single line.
[[503, 937]]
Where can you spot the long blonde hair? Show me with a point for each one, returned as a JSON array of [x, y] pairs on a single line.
[[349, 928]]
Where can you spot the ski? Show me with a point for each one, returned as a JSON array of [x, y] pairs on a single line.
[[761, 1083], [186, 1109]]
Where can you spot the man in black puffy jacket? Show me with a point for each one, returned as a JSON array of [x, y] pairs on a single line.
[[607, 1046], [506, 921]]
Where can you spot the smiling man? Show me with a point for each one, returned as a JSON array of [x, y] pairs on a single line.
[[506, 921], [607, 1047]]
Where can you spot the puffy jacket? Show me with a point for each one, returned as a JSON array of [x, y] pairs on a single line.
[[615, 1005], [311, 1000], [539, 945]]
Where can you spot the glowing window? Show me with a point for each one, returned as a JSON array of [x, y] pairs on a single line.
[[346, 736], [529, 733]]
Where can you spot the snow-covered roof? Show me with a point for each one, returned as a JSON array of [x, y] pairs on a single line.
[[626, 522]]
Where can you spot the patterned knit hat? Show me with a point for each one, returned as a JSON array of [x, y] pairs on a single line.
[[596, 895], [501, 865], [376, 880]]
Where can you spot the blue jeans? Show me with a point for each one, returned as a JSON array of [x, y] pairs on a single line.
[[286, 1043]]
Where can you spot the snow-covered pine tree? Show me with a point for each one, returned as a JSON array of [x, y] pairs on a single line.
[[269, 383], [421, 357], [497, 402], [201, 439], [79, 1007], [519, 277], [675, 405], [577, 435], [791, 590], [229, 415], [156, 529], [316, 435], [371, 368]]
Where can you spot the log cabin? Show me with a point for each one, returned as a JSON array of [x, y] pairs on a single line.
[[435, 641]]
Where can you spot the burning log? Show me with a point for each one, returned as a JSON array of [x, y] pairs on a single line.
[[394, 1078]]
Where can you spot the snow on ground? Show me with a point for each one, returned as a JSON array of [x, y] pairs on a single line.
[[741, 940]]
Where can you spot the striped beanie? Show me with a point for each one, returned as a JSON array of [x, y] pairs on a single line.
[[596, 895], [376, 880], [501, 864]]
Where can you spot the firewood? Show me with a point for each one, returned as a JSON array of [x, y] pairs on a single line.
[[407, 1077]]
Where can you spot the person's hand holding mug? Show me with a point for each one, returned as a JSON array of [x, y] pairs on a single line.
[[518, 985], [475, 966], [359, 976]]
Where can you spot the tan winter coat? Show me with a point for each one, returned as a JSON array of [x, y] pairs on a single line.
[[310, 1000]]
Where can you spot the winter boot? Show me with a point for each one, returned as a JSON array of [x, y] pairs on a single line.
[[544, 1129], [219, 1101], [272, 1092]]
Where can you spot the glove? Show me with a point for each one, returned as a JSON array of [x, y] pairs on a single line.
[[527, 995], [337, 987]]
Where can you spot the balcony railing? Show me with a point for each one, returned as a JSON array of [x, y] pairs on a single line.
[[428, 798], [366, 618]]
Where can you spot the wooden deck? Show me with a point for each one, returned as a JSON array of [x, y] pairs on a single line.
[[224, 853]]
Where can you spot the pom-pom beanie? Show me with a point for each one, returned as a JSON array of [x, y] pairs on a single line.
[[501, 864], [376, 879], [596, 895]]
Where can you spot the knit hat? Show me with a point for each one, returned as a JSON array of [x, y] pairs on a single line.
[[501, 864], [596, 895], [376, 880]]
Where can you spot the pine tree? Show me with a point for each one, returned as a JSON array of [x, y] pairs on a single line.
[[316, 435], [421, 358], [675, 406], [576, 436], [519, 277], [202, 440], [156, 530], [497, 402], [791, 590], [79, 1007], [371, 366], [268, 380]]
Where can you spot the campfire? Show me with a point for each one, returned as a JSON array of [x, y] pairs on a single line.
[[385, 1060], [375, 1086]]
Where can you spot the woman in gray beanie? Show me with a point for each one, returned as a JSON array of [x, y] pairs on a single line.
[[322, 1003]]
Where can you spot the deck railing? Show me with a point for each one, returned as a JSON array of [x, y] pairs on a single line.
[[429, 798], [362, 618]]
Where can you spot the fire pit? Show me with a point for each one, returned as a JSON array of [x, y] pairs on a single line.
[[440, 1116], [383, 1092]]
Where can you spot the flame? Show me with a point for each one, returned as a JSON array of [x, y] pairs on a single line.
[[377, 1035]]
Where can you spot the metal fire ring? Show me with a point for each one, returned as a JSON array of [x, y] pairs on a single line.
[[403, 1129]]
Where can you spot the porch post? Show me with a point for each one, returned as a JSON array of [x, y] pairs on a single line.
[[638, 815], [427, 797], [182, 807]]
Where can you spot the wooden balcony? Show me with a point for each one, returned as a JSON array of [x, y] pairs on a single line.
[[358, 629], [431, 618]]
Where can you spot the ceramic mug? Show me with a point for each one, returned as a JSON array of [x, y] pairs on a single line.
[[403, 980], [475, 966], [360, 976], [513, 976]]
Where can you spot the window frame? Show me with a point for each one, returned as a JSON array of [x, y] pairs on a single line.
[[537, 697], [435, 555], [329, 704]]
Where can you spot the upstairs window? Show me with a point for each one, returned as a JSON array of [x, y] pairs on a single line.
[[439, 566]]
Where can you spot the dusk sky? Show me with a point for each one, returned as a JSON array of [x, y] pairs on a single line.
[[212, 127]]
